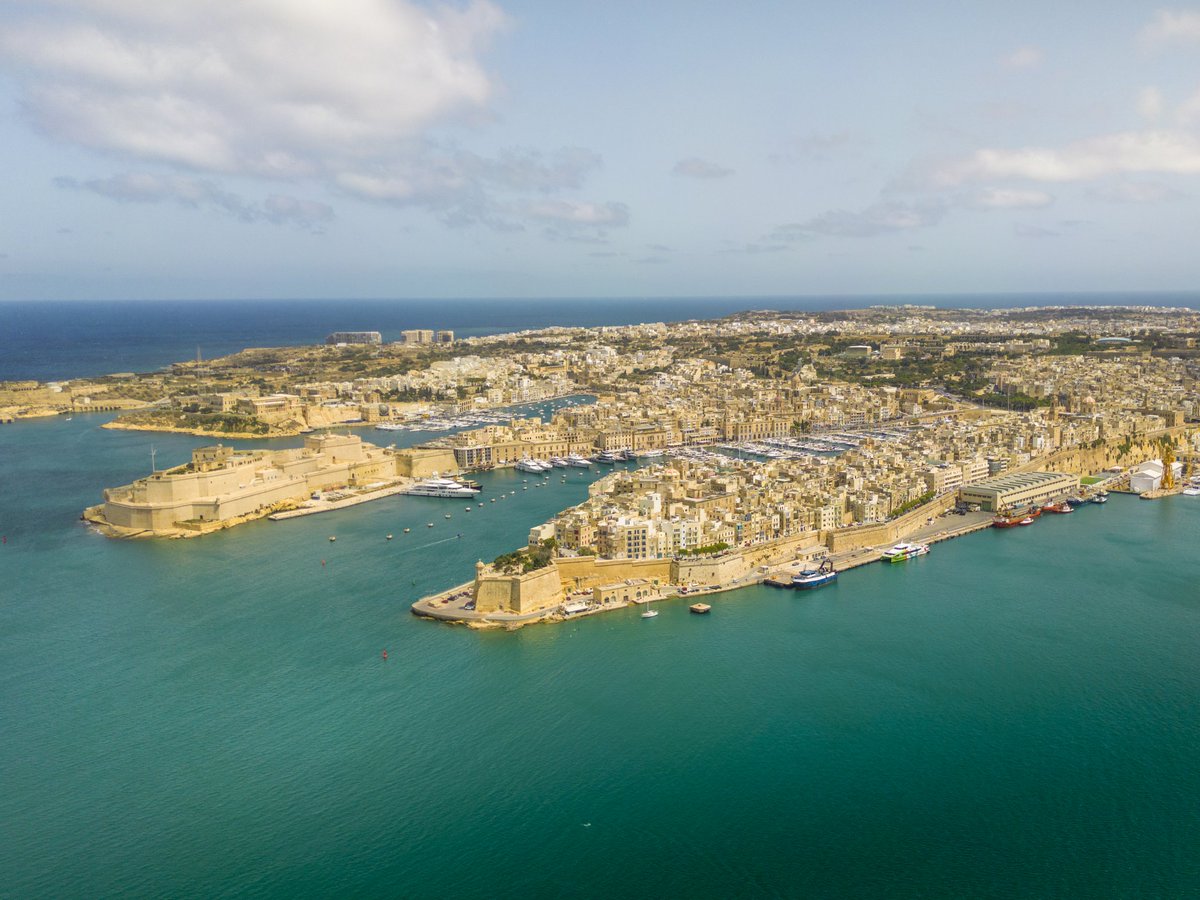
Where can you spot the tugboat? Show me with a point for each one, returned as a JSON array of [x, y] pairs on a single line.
[[1075, 501], [815, 578]]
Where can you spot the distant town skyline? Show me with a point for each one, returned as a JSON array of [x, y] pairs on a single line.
[[385, 148]]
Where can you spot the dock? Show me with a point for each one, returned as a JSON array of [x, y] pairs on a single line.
[[312, 507]]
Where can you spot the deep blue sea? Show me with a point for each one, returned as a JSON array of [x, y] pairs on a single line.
[[1015, 715], [48, 340]]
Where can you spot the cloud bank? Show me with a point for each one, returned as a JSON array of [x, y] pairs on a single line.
[[349, 95]]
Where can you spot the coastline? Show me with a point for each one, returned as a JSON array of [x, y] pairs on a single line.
[[455, 605]]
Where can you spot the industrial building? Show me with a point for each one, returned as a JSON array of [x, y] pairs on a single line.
[[1019, 489]]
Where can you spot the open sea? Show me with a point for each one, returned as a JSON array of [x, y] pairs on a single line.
[[1015, 715]]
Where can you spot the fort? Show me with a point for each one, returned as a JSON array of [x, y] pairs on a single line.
[[222, 486]]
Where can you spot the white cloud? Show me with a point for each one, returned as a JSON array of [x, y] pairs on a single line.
[[1022, 58], [884, 217], [348, 94], [266, 87], [1034, 231], [1150, 104], [1134, 192], [1130, 152], [573, 214], [1007, 198], [694, 167], [818, 147], [201, 193], [1188, 112], [1170, 26]]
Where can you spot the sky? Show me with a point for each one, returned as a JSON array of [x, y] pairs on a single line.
[[388, 148]]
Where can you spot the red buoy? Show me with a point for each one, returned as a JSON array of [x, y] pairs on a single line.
[[385, 654]]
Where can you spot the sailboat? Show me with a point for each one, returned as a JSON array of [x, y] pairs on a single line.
[[649, 612]]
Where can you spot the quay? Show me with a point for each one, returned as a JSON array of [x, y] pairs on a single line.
[[342, 500]]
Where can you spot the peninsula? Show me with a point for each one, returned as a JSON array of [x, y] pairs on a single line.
[[767, 439]]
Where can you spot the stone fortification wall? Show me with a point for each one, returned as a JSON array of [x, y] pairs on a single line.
[[533, 591], [738, 563], [420, 462], [580, 572], [843, 539], [1088, 460]]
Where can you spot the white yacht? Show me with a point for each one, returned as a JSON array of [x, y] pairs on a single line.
[[441, 487], [558, 462], [574, 459], [531, 465]]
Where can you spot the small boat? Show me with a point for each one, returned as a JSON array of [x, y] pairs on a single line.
[[903, 551], [407, 530], [699, 608], [815, 578], [332, 538], [493, 499], [1075, 501], [430, 525], [1026, 521], [1101, 497], [447, 515], [389, 537], [649, 613]]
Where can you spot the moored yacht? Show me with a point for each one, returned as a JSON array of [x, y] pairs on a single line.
[[440, 487], [582, 462]]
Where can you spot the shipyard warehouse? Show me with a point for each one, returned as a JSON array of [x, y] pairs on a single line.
[[1019, 489]]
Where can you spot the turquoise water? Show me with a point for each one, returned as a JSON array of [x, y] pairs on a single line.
[[1014, 715]]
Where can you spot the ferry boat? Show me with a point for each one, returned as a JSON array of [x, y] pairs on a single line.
[[441, 487], [815, 578], [582, 462], [903, 551]]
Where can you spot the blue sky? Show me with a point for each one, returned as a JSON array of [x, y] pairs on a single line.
[[382, 148]]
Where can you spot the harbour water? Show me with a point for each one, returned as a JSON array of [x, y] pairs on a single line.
[[1014, 715]]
